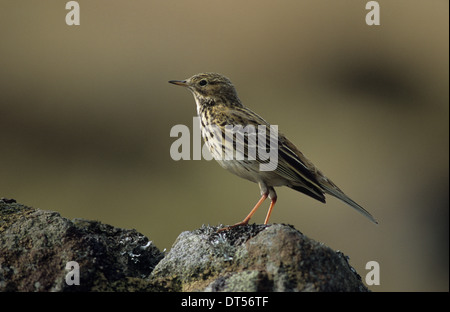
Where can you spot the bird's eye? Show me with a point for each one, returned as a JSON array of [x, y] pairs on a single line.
[[203, 82]]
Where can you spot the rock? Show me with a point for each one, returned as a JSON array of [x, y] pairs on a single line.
[[36, 245], [254, 258]]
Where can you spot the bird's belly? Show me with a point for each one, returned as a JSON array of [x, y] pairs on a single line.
[[239, 168], [222, 152], [250, 170]]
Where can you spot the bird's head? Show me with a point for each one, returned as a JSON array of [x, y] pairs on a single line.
[[210, 88]]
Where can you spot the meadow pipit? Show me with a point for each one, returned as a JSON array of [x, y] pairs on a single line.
[[219, 108]]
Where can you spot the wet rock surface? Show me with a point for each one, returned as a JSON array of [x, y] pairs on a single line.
[[36, 245]]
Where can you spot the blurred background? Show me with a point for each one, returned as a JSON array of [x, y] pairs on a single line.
[[86, 112]]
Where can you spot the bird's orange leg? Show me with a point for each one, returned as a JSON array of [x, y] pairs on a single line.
[[245, 221], [272, 203]]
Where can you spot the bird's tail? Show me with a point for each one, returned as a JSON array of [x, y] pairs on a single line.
[[336, 192]]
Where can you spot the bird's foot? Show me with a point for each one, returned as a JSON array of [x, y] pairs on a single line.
[[245, 222]]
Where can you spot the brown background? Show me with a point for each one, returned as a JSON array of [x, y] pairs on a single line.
[[86, 112]]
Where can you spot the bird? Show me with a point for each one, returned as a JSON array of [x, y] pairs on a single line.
[[219, 108]]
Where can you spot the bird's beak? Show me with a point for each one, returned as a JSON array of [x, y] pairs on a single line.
[[182, 83]]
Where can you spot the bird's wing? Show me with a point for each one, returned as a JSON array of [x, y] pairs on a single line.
[[292, 165], [326, 185], [296, 168]]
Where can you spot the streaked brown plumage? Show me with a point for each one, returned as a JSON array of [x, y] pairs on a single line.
[[218, 106]]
